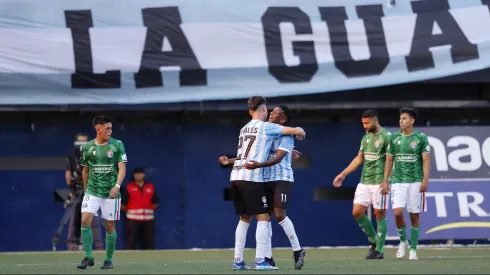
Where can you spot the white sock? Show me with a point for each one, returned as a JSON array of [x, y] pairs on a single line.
[[261, 236], [268, 253], [288, 227], [240, 239]]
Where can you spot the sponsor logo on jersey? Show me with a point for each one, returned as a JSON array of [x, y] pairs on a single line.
[[124, 158], [102, 168], [109, 154], [371, 156], [406, 158]]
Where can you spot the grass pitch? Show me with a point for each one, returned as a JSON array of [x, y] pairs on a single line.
[[318, 261]]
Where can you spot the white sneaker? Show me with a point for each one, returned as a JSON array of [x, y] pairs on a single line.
[[402, 247], [413, 255]]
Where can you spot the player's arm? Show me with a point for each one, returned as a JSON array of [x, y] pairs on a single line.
[[280, 154], [296, 131], [286, 145], [85, 177], [275, 130], [121, 174], [390, 151], [426, 163], [84, 164], [224, 160], [388, 167], [355, 163]]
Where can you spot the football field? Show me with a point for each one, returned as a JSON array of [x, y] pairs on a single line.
[[318, 261]]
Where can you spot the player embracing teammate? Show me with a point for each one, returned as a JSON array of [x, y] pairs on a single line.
[[403, 156], [248, 188]]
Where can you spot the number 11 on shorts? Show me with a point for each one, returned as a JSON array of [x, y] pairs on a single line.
[[283, 197]]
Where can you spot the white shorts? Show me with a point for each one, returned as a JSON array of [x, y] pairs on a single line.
[[110, 208], [408, 195], [367, 194]]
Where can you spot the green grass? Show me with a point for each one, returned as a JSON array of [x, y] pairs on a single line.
[[318, 261]]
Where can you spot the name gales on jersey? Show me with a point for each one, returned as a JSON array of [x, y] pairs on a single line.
[[249, 130]]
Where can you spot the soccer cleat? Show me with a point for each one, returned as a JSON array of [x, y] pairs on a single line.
[[375, 255], [299, 258], [86, 262], [371, 250], [402, 247], [241, 266], [264, 265], [270, 261], [107, 265], [413, 255]]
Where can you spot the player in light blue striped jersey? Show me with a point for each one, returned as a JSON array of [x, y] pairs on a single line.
[[246, 186], [278, 176]]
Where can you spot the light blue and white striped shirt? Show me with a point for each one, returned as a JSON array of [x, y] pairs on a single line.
[[254, 143], [283, 170]]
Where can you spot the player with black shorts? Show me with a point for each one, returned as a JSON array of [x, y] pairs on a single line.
[[247, 188], [278, 176]]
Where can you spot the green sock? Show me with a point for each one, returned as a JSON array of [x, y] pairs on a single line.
[[87, 240], [110, 245], [368, 228], [381, 235], [414, 237], [402, 234]]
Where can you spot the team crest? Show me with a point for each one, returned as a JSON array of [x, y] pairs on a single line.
[[109, 154], [377, 143], [413, 144]]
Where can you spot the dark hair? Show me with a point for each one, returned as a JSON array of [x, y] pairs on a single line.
[[370, 113], [410, 111], [101, 120], [255, 102], [138, 170], [287, 113], [81, 135]]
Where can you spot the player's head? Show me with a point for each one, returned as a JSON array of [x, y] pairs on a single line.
[[257, 107], [103, 127], [407, 117], [139, 174], [370, 120], [81, 137], [280, 115]]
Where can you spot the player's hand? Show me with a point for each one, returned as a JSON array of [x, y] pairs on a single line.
[[385, 187], [251, 165], [424, 186], [114, 192], [337, 182], [302, 135], [296, 154], [224, 160]]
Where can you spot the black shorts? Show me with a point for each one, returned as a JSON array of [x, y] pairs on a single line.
[[278, 193], [248, 197]]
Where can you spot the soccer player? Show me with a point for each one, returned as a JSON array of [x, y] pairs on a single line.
[[278, 176], [247, 188], [409, 150], [368, 192], [104, 168]]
